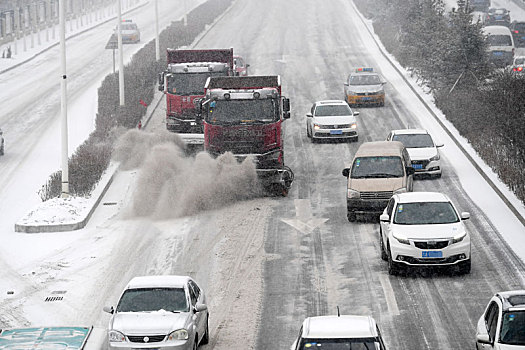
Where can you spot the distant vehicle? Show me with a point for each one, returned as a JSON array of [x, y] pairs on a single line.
[[479, 5], [339, 332], [159, 312], [423, 151], [498, 17], [240, 67], [479, 16], [502, 325], [379, 170], [423, 229], [518, 66], [500, 45], [130, 32], [518, 33], [331, 119], [2, 143], [364, 87]]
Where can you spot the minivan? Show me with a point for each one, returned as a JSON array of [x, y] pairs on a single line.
[[500, 45], [379, 170]]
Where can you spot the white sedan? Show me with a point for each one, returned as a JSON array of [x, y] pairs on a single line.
[[423, 229], [331, 119], [422, 149]]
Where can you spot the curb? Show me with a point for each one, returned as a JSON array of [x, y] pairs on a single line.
[[511, 206], [69, 37]]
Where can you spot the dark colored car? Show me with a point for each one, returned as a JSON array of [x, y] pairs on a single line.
[[498, 17], [518, 33]]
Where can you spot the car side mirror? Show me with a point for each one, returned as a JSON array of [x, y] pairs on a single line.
[[309, 115], [346, 172], [465, 215], [345, 84], [200, 307], [483, 338], [247, 65], [410, 170], [108, 309], [356, 113], [286, 104], [384, 218], [440, 145]]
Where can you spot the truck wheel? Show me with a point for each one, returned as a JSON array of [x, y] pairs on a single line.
[[2, 151]]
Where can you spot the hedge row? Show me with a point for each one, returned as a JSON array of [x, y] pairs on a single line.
[[448, 54], [92, 158]]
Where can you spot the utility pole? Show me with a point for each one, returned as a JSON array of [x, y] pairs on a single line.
[[157, 43], [63, 104], [121, 55]]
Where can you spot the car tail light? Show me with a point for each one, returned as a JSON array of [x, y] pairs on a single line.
[[516, 32]]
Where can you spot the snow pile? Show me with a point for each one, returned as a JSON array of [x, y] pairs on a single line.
[[58, 211], [171, 184]]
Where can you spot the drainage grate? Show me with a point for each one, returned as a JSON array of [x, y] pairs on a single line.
[[54, 298], [59, 292]]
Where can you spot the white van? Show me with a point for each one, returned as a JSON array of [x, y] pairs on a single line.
[[501, 45]]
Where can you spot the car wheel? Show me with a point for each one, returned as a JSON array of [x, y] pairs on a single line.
[[355, 139], [384, 255], [437, 176], [392, 266], [465, 267], [2, 150], [351, 216], [313, 139], [308, 133], [195, 344], [206, 337]]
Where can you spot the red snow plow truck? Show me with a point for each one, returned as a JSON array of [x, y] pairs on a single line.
[[244, 115], [183, 84]]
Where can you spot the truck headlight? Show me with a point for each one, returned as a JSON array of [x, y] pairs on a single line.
[[180, 334], [352, 194], [459, 237], [400, 238], [436, 157], [116, 336]]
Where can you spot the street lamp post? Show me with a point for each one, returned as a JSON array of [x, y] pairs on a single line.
[[121, 55], [63, 104]]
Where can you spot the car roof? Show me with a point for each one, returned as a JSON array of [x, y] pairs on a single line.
[[331, 102], [168, 281], [409, 131], [512, 299], [344, 326], [411, 197], [383, 148], [502, 30]]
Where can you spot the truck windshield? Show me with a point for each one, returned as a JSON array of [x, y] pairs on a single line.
[[242, 111], [377, 167], [187, 84]]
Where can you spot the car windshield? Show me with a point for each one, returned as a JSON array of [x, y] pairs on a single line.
[[424, 213], [243, 111], [332, 110], [513, 328], [519, 61], [364, 79], [340, 344], [499, 40], [153, 299], [414, 140], [238, 62], [128, 26], [377, 167], [186, 84]]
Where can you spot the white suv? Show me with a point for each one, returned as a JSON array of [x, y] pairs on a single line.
[[422, 149], [339, 332], [423, 229], [502, 325], [331, 119]]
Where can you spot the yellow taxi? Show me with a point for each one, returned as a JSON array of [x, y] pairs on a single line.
[[365, 87]]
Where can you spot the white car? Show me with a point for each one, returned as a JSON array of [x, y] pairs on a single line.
[[423, 229], [422, 149], [130, 31], [339, 332], [502, 325], [331, 119], [159, 312]]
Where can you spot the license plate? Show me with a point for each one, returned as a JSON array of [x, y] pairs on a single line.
[[497, 53], [499, 17], [432, 254], [417, 166], [366, 98], [336, 132]]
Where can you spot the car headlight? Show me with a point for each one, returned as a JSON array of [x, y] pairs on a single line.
[[116, 336], [436, 157], [400, 238], [180, 334], [316, 126], [458, 238], [353, 194], [400, 190], [353, 126]]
